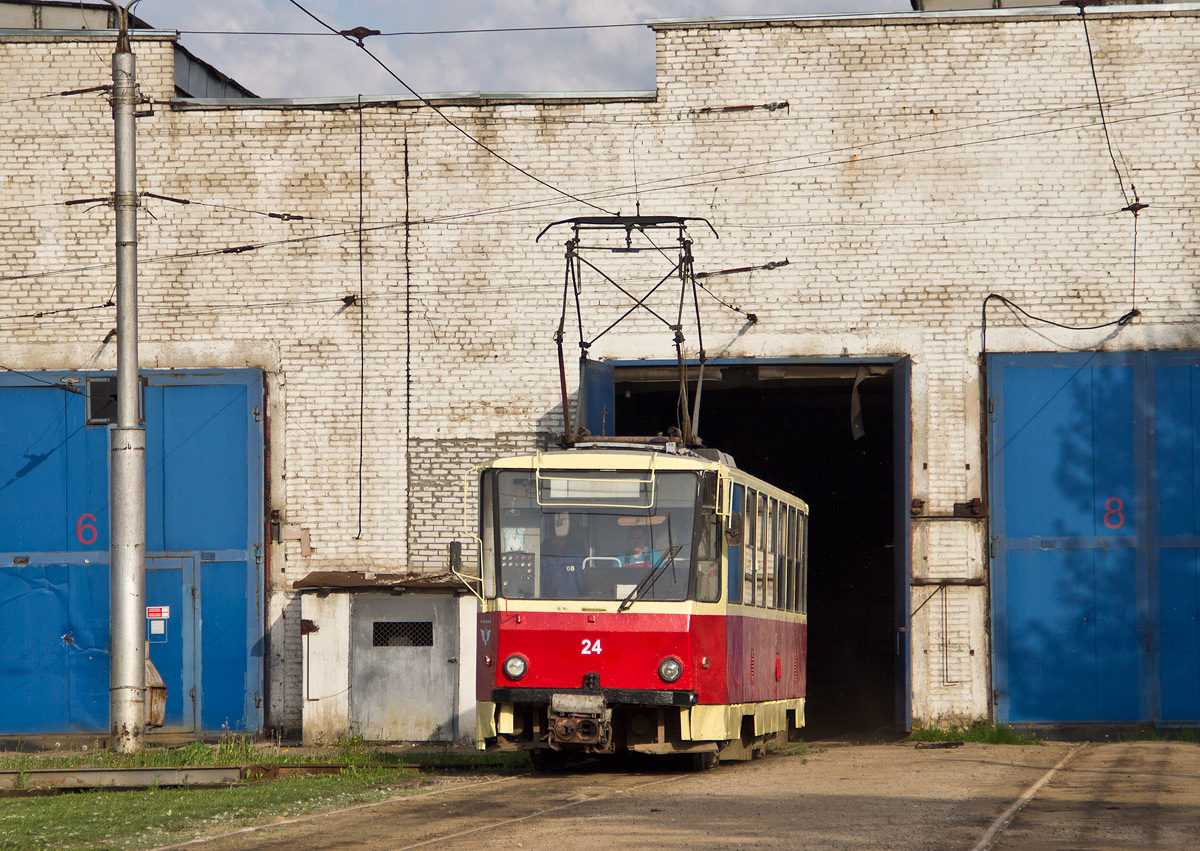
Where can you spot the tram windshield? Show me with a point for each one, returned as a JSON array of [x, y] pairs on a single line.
[[595, 535]]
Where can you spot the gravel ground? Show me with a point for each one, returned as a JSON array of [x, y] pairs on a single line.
[[874, 796]]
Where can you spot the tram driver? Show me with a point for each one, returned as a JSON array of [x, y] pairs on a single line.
[[640, 553]]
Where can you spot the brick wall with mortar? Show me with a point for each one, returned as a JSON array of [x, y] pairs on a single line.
[[920, 163]]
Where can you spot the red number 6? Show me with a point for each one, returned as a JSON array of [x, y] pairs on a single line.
[[86, 532], [1114, 517]]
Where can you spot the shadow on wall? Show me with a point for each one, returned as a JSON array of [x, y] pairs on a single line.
[[550, 424], [284, 676], [1071, 609]]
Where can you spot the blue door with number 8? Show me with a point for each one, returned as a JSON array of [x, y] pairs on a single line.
[[1095, 531]]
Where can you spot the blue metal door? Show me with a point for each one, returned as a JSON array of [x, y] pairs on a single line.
[[204, 494], [1094, 537], [171, 636], [1175, 532], [597, 398], [204, 528]]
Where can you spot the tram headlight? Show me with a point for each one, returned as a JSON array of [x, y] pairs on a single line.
[[515, 667], [670, 669]]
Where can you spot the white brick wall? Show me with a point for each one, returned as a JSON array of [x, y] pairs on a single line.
[[921, 163]]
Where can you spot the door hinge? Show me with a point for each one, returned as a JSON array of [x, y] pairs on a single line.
[[192, 695], [257, 412]]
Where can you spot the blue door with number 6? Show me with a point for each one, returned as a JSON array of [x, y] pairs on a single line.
[[204, 548]]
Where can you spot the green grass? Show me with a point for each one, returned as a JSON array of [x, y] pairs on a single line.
[[229, 751], [238, 750], [144, 819], [799, 749], [990, 734]]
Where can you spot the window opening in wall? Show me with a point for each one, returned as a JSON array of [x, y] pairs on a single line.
[[402, 634], [101, 401]]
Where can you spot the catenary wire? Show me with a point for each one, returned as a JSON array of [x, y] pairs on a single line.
[[475, 31], [446, 118], [60, 385], [866, 226], [52, 95], [616, 192], [1100, 102]]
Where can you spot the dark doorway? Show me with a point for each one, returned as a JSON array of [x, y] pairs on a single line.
[[791, 424]]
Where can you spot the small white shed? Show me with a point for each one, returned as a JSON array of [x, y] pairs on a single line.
[[388, 657]]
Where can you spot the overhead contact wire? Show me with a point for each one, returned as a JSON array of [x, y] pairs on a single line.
[[446, 118], [1100, 104]]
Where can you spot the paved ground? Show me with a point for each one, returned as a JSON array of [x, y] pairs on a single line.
[[1129, 796]]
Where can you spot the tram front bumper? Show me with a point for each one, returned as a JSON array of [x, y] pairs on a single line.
[[580, 719], [611, 696]]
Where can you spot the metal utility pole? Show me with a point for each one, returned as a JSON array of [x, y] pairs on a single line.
[[127, 452]]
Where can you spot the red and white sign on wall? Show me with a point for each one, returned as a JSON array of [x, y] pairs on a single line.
[[158, 612]]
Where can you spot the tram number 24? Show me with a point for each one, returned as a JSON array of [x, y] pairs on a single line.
[[590, 647]]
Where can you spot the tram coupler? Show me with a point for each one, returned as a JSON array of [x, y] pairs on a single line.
[[580, 719]]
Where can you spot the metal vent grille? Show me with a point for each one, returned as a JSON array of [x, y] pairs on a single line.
[[402, 634]]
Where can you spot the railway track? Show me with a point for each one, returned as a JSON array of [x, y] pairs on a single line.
[[458, 814]]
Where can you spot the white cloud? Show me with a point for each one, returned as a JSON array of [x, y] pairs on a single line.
[[326, 66]]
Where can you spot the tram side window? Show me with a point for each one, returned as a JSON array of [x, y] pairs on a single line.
[[803, 560], [769, 563], [751, 545], [520, 536], [786, 556], [708, 558], [734, 552], [781, 551], [760, 555], [487, 533], [793, 554]]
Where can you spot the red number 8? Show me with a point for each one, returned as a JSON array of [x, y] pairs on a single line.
[[1114, 508]]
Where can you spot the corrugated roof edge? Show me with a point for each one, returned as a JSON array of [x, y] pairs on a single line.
[[216, 72], [884, 18]]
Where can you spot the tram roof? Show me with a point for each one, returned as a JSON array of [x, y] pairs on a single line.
[[614, 457], [634, 456]]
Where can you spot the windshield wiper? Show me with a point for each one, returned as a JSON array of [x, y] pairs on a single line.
[[667, 560]]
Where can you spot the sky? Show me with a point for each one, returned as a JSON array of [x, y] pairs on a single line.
[[608, 59]]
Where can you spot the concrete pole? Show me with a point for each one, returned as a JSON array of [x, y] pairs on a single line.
[[127, 497]]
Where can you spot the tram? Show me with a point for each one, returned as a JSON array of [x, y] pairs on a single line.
[[638, 596]]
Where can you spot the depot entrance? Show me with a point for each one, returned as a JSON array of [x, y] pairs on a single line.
[[836, 435]]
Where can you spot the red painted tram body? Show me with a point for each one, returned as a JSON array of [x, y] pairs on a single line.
[[638, 597]]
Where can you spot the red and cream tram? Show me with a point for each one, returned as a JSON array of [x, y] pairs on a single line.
[[638, 597]]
